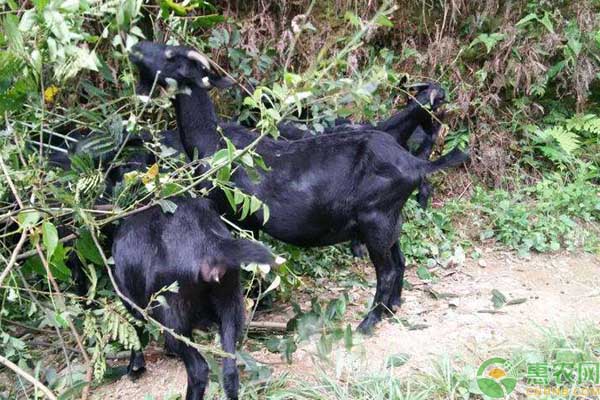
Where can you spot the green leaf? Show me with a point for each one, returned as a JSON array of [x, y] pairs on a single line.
[[489, 41], [207, 21], [348, 343], [28, 219], [397, 360], [498, 299], [382, 20], [352, 18], [50, 238], [545, 20], [168, 207], [255, 204], [528, 18], [423, 273], [87, 249]]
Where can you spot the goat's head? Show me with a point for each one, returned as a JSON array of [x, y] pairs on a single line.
[[429, 93], [170, 65]]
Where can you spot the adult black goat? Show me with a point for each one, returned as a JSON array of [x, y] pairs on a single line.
[[192, 247], [320, 191]]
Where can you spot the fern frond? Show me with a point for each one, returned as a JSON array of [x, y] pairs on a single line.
[[567, 140]]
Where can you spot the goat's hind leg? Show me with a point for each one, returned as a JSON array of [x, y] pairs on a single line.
[[195, 366], [385, 269], [230, 330], [137, 363], [424, 193]]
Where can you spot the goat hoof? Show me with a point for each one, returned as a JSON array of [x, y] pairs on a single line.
[[135, 373], [366, 327], [137, 365]]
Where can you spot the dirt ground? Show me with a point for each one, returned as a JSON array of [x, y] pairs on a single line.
[[553, 291]]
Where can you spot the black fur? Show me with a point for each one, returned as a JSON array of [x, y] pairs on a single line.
[[320, 191], [138, 158], [193, 247]]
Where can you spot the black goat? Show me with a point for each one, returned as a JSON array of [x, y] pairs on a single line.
[[192, 247], [413, 120], [320, 191]]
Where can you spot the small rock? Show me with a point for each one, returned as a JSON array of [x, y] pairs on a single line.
[[482, 263]]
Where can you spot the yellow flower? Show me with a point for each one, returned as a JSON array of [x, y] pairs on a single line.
[[150, 174], [497, 373], [49, 93]]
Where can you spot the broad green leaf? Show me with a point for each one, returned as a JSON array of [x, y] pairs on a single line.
[[528, 18], [87, 249], [423, 273], [49, 238], [28, 219]]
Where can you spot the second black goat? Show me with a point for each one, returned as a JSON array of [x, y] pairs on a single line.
[[192, 247]]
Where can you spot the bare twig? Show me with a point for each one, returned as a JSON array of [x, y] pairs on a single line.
[[33, 252], [86, 357], [14, 257], [267, 326], [47, 392]]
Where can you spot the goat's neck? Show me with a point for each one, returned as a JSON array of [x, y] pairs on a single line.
[[197, 122], [402, 124]]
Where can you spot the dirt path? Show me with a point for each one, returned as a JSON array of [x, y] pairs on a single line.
[[559, 291]]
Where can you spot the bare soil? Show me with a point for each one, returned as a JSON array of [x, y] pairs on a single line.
[[452, 316]]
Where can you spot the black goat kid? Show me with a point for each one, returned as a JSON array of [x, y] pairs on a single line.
[[320, 191], [193, 247]]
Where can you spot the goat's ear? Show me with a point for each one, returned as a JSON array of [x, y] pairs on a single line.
[[212, 273], [221, 82]]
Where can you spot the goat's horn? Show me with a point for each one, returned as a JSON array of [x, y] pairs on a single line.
[[418, 85], [202, 59], [432, 96]]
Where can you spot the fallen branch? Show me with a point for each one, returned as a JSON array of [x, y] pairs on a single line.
[[268, 326]]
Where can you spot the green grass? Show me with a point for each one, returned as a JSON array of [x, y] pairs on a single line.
[[446, 378]]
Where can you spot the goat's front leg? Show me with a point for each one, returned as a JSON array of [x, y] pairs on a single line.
[[386, 277], [400, 263], [424, 193]]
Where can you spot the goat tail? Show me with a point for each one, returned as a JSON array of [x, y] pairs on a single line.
[[453, 159], [244, 251], [231, 254]]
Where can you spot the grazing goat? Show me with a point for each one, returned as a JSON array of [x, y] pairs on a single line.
[[321, 190], [192, 247]]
